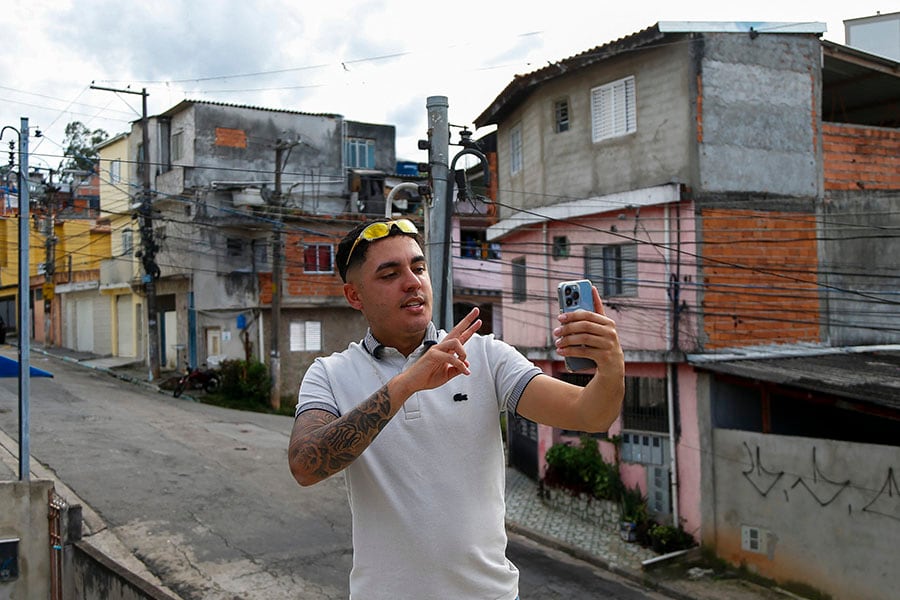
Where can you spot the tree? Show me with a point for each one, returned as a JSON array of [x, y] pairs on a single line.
[[80, 143]]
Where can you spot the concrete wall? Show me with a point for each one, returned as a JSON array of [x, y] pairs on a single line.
[[25, 516], [757, 116], [95, 577], [862, 189], [563, 166], [827, 512]]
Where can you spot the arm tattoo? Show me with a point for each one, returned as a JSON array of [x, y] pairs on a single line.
[[323, 445]]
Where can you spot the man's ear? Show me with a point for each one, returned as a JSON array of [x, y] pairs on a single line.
[[352, 296]]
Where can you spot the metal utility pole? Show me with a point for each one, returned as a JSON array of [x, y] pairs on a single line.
[[149, 247], [24, 295], [437, 246]]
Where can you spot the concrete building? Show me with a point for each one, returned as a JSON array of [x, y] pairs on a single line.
[[706, 177], [217, 206]]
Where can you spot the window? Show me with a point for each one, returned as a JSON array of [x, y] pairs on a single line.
[[612, 268], [360, 153], [645, 407], [165, 155], [261, 251], [515, 150], [175, 146], [127, 241], [560, 247], [140, 160], [519, 287], [561, 115], [234, 247], [306, 336], [474, 244], [613, 111], [115, 171], [317, 258]]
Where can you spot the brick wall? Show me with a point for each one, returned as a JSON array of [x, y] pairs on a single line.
[[297, 282], [759, 278], [858, 157]]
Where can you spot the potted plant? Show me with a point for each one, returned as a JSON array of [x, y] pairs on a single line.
[[634, 513]]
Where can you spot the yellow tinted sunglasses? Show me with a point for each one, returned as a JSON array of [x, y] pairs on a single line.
[[379, 230]]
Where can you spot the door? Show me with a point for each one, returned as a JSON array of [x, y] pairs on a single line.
[[523, 444], [213, 342], [124, 326]]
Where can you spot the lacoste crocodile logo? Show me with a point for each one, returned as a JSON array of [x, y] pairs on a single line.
[[460, 397]]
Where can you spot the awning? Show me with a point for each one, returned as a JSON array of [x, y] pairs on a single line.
[[10, 368], [871, 377]]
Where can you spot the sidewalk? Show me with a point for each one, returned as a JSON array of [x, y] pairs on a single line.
[[529, 516]]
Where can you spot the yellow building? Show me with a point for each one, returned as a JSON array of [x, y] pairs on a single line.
[[119, 269]]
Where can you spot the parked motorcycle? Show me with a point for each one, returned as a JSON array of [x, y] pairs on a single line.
[[198, 378]]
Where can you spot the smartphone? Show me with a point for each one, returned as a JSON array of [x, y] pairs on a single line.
[[575, 295]]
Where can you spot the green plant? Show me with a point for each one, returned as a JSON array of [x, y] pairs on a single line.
[[245, 382], [668, 538], [582, 470], [633, 506]]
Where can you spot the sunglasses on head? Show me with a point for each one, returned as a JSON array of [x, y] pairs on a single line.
[[379, 230]]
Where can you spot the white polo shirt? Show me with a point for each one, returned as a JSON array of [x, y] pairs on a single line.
[[427, 496]]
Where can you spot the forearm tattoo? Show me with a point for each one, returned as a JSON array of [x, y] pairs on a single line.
[[323, 445]]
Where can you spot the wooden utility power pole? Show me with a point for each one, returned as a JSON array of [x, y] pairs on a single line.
[[275, 352]]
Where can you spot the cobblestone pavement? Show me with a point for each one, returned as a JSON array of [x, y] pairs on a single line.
[[527, 514], [524, 509]]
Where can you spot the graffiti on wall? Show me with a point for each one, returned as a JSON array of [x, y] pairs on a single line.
[[824, 489]]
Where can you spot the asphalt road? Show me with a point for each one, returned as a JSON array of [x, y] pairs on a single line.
[[202, 496]]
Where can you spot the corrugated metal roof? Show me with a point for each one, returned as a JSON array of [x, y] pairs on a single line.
[[871, 377]]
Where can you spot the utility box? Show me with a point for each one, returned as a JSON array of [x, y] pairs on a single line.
[[9, 560]]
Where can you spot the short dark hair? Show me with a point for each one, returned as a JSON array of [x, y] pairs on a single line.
[[362, 248]]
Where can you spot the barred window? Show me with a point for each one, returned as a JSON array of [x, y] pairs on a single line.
[[645, 407], [317, 258], [561, 115]]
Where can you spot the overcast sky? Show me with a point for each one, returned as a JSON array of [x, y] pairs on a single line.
[[370, 60]]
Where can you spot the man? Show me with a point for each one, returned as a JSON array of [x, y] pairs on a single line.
[[411, 415]]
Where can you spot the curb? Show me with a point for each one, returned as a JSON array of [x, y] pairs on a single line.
[[575, 552]]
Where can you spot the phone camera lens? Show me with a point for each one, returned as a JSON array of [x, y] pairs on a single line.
[[568, 291], [575, 295], [568, 302]]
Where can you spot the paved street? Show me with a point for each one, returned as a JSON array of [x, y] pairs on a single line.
[[202, 496]]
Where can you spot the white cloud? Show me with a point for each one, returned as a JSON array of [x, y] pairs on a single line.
[[369, 60]]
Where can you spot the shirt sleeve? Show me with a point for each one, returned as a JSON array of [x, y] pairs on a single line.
[[511, 370], [315, 391]]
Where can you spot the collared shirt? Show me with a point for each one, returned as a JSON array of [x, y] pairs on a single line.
[[427, 496]]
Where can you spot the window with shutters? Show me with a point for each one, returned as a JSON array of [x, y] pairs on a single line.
[[519, 287], [317, 258], [612, 268], [613, 110], [306, 336], [515, 150]]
